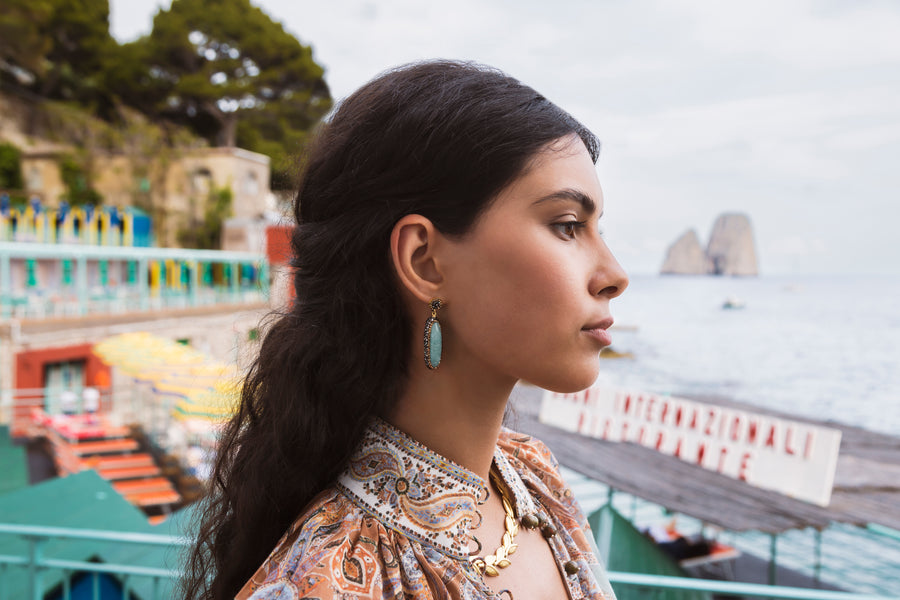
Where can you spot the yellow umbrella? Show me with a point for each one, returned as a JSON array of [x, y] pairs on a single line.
[[206, 388]]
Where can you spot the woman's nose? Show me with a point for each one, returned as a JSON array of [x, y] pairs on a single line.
[[609, 279]]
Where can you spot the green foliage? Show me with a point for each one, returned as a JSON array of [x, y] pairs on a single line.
[[79, 30], [70, 124], [78, 188], [23, 43], [233, 74], [207, 233], [57, 48], [10, 167], [221, 68], [281, 132]]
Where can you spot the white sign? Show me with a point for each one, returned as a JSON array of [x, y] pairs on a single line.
[[793, 458]]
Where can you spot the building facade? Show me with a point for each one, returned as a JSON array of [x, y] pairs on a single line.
[[57, 300]]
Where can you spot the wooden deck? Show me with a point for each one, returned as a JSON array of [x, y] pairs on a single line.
[[866, 489]]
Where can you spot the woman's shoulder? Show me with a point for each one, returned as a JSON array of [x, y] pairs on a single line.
[[311, 559], [539, 470], [530, 451]]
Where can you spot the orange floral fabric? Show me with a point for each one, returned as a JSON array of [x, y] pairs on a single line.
[[397, 525]]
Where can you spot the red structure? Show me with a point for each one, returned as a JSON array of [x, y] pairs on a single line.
[[30, 378], [278, 251]]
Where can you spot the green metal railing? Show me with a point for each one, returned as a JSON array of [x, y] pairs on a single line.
[[35, 564], [76, 281], [659, 583]]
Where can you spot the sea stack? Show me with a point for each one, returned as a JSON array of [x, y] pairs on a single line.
[[686, 257], [731, 249]]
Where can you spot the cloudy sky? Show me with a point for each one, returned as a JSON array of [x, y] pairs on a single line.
[[786, 110]]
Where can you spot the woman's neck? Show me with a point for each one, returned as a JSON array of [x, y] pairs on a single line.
[[454, 411]]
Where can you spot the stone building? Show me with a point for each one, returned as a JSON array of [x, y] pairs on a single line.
[[174, 189]]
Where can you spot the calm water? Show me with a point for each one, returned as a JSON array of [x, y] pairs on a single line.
[[822, 347]]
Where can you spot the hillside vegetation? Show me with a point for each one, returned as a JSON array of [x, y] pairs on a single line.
[[219, 70]]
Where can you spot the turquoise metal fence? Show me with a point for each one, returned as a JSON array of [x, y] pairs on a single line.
[[42, 281], [35, 564], [655, 584]]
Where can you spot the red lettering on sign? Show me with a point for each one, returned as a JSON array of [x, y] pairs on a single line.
[[735, 428], [606, 428], [679, 414], [678, 448], [770, 441], [627, 404], [659, 439], [745, 466], [694, 419], [580, 421], [752, 430], [665, 412], [625, 431], [710, 419], [788, 441], [641, 433], [722, 453], [648, 414], [701, 450]]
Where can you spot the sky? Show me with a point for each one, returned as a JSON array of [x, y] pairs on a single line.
[[785, 110]]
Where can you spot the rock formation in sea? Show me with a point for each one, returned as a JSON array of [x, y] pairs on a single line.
[[731, 250], [686, 257]]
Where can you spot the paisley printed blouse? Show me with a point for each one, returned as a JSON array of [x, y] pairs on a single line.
[[397, 525]]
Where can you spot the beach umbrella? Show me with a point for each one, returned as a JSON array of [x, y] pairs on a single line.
[[202, 388], [214, 405]]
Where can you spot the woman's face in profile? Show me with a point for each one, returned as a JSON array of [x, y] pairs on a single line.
[[529, 286]]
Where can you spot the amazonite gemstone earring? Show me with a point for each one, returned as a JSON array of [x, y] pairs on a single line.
[[434, 343]]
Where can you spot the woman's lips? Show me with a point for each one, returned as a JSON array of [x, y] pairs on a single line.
[[600, 334]]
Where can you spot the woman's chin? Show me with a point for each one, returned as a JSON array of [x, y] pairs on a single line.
[[571, 380]]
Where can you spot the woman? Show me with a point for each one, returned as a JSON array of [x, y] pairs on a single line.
[[367, 459]]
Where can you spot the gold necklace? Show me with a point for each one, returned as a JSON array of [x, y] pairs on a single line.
[[490, 565]]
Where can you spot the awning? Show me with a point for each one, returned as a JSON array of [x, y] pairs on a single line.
[[203, 388]]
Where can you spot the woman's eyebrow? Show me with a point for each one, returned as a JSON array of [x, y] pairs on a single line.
[[570, 195]]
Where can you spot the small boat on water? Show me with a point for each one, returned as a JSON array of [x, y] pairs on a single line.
[[733, 302]]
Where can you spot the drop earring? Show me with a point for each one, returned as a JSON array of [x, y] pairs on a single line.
[[434, 342]]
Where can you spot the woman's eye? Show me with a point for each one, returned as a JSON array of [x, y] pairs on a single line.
[[568, 228]]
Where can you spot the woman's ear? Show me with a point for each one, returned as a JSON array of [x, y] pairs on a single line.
[[414, 245]]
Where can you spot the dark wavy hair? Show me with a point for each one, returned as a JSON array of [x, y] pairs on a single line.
[[440, 139]]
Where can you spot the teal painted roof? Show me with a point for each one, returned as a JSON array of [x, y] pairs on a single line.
[[80, 501], [181, 523], [626, 549], [13, 464]]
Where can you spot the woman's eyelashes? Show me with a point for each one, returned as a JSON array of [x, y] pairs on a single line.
[[569, 229]]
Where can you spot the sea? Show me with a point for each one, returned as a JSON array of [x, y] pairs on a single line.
[[826, 347]]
